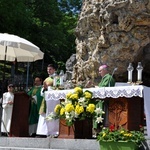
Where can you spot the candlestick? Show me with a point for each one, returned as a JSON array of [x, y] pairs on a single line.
[[130, 70], [61, 76], [139, 72], [55, 79]]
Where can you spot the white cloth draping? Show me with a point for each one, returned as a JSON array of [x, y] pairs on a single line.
[[104, 92], [100, 92], [42, 128], [147, 108], [53, 125]]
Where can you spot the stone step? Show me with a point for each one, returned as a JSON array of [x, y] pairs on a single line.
[[11, 143], [18, 143], [22, 148]]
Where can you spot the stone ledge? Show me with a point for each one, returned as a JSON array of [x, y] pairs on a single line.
[[22, 148], [50, 143], [19, 143]]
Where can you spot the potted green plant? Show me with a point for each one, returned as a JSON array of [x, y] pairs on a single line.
[[78, 106], [120, 139]]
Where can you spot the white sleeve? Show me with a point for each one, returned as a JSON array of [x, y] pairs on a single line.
[[42, 91], [4, 104], [35, 99]]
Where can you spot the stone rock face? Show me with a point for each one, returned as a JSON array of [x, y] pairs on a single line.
[[69, 66], [112, 32]]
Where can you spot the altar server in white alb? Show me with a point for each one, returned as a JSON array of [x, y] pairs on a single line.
[[7, 105], [47, 128]]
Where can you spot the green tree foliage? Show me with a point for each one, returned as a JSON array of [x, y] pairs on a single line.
[[53, 30], [15, 18], [49, 24]]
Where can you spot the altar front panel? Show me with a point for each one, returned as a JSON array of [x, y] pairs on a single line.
[[126, 112], [123, 93]]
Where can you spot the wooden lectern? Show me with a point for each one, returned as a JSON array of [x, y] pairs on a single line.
[[19, 124]]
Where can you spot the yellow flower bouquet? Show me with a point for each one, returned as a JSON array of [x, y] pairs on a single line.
[[77, 105]]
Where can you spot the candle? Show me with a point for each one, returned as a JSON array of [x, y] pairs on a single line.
[[129, 76], [55, 79], [61, 80], [61, 77], [139, 78]]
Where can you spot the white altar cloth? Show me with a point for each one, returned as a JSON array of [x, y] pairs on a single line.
[[52, 97]]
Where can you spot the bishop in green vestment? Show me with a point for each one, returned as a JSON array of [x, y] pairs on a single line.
[[106, 81]]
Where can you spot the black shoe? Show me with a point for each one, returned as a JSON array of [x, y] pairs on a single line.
[[41, 136], [4, 134], [33, 135]]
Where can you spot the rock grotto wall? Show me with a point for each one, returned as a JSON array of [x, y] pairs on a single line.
[[112, 32]]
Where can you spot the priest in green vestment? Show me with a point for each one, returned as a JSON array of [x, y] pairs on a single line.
[[106, 81], [35, 103]]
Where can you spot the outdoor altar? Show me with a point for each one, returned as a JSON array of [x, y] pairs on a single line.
[[131, 97]]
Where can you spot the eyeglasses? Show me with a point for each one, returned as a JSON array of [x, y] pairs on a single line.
[[100, 70], [11, 86]]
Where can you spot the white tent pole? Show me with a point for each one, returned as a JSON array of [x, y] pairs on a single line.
[[28, 66], [4, 70], [4, 63]]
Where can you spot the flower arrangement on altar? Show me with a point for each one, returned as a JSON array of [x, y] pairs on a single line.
[[77, 105], [121, 135]]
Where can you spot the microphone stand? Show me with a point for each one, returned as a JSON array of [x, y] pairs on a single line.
[[115, 69], [112, 75]]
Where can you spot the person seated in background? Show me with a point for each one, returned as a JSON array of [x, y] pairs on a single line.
[[42, 129], [7, 105], [35, 103], [106, 81]]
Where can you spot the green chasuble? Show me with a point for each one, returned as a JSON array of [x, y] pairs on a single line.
[[49, 82], [106, 81], [35, 105]]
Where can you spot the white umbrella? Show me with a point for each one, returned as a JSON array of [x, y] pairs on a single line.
[[13, 48]]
